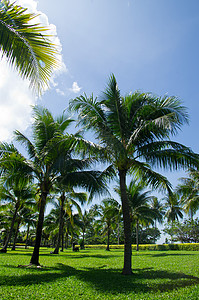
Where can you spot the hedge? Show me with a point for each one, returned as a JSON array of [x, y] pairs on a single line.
[[152, 247]]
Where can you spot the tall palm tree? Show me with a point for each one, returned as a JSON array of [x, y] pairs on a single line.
[[189, 192], [26, 45], [51, 154], [134, 132]]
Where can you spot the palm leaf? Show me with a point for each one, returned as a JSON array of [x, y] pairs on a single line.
[[26, 46]]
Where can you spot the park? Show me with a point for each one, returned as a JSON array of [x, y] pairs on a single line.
[[85, 188], [96, 274]]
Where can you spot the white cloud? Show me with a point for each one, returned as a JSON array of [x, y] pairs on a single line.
[[15, 102], [60, 92], [75, 88], [16, 99]]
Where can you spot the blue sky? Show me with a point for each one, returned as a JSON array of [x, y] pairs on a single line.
[[150, 45]]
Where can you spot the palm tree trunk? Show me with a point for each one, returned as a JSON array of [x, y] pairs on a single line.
[[83, 246], [35, 255], [4, 249], [16, 234], [154, 236], [137, 235], [127, 224], [62, 241], [66, 241], [27, 234], [56, 251], [118, 233], [108, 238]]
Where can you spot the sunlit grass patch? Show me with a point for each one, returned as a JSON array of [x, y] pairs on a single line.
[[96, 274]]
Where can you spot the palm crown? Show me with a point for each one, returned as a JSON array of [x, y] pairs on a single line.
[[135, 130]]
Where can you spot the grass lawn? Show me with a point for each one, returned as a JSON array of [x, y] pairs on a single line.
[[96, 274]]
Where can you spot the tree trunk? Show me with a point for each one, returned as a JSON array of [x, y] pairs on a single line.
[[137, 235], [127, 224], [4, 249], [35, 255], [154, 236], [16, 234], [56, 251], [66, 241], [71, 240], [83, 246], [27, 234], [62, 241], [118, 233], [108, 238]]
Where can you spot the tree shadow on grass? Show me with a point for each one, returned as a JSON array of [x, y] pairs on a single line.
[[71, 255], [172, 254], [162, 254], [76, 256], [105, 280]]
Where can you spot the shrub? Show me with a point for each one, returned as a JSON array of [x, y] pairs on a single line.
[[152, 247]]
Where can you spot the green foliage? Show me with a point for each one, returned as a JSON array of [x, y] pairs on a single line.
[[96, 274], [185, 232], [146, 236], [26, 45], [189, 192], [152, 247]]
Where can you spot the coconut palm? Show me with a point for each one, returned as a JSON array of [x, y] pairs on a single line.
[[158, 208], [51, 154], [16, 194], [26, 45], [134, 132], [30, 215], [66, 200], [140, 211], [173, 207], [189, 192], [108, 212], [84, 220]]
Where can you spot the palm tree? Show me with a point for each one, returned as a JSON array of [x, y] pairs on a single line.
[[68, 199], [158, 208], [30, 215], [134, 133], [84, 220], [173, 207], [14, 188], [140, 211], [51, 154], [27, 46], [189, 192], [108, 212]]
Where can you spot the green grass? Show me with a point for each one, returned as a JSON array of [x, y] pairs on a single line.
[[96, 274]]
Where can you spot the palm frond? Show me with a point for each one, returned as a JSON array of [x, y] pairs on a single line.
[[26, 46]]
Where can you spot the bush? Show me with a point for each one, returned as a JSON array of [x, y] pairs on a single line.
[[152, 247]]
